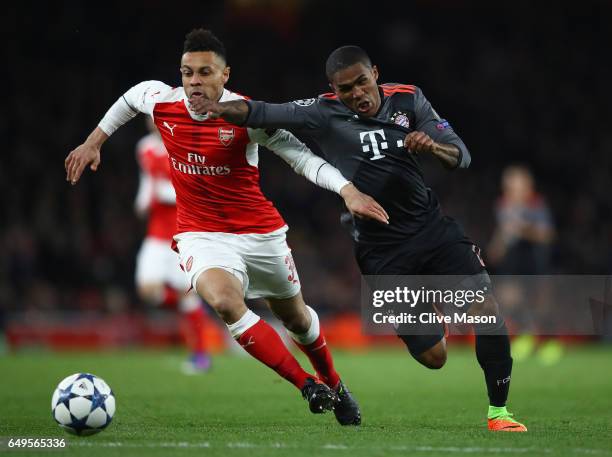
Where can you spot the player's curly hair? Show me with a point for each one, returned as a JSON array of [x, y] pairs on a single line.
[[344, 57], [202, 40]]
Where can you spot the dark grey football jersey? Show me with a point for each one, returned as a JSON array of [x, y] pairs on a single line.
[[370, 152]]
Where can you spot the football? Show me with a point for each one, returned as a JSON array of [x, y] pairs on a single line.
[[83, 404]]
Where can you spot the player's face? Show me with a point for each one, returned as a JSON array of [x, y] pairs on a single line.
[[356, 87], [517, 185], [204, 75]]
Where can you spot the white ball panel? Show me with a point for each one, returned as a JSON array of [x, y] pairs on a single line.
[[80, 407], [64, 383], [83, 387], [97, 418], [110, 405], [102, 386], [62, 415], [54, 398]]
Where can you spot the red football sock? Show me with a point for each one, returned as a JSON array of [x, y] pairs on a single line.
[[195, 321], [263, 343], [321, 360], [170, 298]]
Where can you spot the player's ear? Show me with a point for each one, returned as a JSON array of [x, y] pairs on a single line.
[[375, 72], [226, 74]]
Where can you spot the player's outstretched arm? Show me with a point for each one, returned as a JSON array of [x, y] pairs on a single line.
[[297, 115], [320, 172], [362, 205], [86, 154], [134, 101], [234, 111]]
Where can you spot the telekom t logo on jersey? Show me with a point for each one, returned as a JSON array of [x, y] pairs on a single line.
[[369, 140], [370, 143]]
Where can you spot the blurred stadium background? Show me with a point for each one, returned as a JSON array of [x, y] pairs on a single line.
[[521, 82]]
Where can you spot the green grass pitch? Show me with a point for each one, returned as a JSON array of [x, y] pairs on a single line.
[[242, 409]]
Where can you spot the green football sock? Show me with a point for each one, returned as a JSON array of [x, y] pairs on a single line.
[[497, 411]]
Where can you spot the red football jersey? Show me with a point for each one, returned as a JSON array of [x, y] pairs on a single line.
[[155, 169], [213, 165]]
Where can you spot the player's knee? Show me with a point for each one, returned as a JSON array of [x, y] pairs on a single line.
[[493, 322], [226, 302], [488, 307], [151, 294], [433, 358], [435, 361]]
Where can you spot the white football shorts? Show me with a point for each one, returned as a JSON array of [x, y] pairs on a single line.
[[158, 263], [262, 262]]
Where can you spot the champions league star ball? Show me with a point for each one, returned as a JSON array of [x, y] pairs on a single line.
[[83, 404]]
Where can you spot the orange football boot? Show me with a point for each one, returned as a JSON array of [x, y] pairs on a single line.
[[505, 423]]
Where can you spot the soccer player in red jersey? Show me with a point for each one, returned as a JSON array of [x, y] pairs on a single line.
[[230, 238], [159, 279]]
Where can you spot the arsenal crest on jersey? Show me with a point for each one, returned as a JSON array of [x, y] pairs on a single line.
[[400, 119], [226, 135]]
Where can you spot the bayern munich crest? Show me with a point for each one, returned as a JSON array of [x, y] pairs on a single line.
[[400, 119], [226, 135]]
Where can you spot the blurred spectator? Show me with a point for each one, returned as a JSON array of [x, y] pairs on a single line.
[[521, 243]]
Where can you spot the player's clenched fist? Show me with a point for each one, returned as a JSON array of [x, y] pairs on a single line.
[[418, 142]]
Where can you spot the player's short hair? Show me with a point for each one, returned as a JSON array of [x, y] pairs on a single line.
[[344, 57], [202, 40]]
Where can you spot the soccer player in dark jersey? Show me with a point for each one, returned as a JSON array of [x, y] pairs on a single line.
[[373, 134]]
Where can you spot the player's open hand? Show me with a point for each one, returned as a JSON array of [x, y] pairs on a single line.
[[200, 105], [418, 142], [362, 205], [84, 155]]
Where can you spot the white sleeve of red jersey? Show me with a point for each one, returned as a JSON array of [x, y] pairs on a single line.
[[151, 189], [301, 158], [139, 99], [144, 196], [164, 192]]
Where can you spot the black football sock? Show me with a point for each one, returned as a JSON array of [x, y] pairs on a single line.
[[493, 354]]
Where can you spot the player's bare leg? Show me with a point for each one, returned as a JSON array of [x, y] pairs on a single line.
[[302, 323], [194, 322], [434, 357], [190, 307], [224, 293], [151, 293]]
